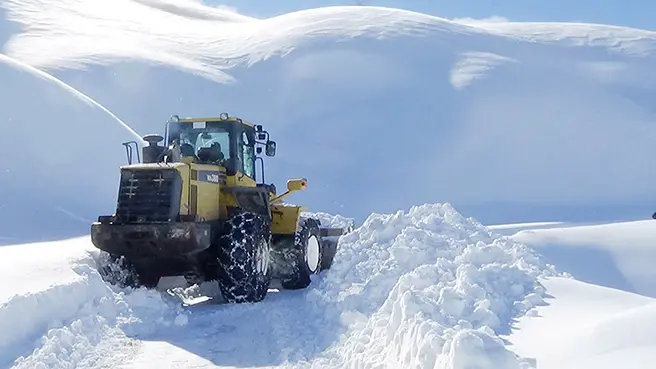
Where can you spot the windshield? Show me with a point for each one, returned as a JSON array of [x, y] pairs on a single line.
[[192, 140]]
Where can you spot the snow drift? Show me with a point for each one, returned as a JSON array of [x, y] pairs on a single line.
[[602, 318], [536, 114], [421, 289], [587, 326], [616, 255], [58, 313]]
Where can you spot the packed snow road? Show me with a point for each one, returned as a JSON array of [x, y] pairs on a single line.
[[422, 289]]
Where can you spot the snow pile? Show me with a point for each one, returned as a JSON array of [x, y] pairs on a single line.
[[65, 315], [428, 289], [330, 220]]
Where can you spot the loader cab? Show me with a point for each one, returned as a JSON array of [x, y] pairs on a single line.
[[226, 141]]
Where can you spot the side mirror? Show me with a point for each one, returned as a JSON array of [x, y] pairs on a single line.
[[271, 148]]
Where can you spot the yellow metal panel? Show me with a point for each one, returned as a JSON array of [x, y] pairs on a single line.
[[184, 198], [208, 200], [208, 180], [225, 200], [240, 180], [284, 219]]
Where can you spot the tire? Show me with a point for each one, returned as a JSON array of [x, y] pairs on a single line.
[[244, 272], [305, 255], [119, 271]]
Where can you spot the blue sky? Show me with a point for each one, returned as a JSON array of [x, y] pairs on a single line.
[[635, 13]]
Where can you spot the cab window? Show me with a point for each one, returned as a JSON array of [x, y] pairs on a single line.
[[247, 154]]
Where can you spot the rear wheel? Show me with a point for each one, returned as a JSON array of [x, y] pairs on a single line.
[[121, 272], [243, 257]]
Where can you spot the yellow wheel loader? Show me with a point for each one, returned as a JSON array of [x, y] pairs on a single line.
[[194, 207]]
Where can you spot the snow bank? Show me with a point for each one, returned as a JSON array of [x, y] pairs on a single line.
[[586, 326], [427, 289], [618, 255], [457, 102], [58, 313], [604, 318]]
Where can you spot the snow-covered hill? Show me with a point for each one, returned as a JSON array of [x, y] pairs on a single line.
[[625, 252], [533, 114]]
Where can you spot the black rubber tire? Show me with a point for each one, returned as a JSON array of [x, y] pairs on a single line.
[[119, 271], [300, 270], [247, 237]]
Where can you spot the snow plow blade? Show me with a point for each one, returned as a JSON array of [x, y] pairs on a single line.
[[330, 238], [158, 240], [335, 232]]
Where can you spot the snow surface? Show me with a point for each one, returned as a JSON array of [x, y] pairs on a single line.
[[423, 289], [617, 255], [603, 316], [587, 326], [540, 113], [58, 313]]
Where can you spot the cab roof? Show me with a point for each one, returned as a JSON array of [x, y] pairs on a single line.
[[214, 119]]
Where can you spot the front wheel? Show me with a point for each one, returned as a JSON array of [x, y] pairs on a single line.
[[243, 258], [306, 254]]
